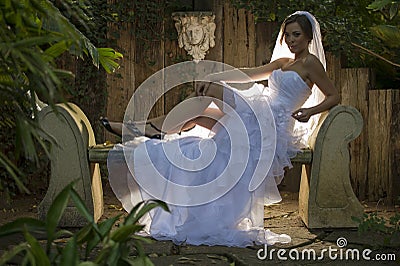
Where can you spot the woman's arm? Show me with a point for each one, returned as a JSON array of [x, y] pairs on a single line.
[[240, 75], [245, 75], [317, 74]]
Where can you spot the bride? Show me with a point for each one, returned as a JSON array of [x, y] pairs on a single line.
[[216, 185]]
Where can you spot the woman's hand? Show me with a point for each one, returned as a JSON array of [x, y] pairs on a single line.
[[302, 114]]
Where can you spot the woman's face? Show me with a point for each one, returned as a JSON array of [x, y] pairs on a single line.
[[295, 38]]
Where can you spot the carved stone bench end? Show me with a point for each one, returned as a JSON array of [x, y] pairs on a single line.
[[73, 134], [326, 198]]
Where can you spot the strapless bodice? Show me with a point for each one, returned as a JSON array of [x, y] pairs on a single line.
[[287, 88]]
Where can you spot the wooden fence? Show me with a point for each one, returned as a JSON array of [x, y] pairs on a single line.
[[375, 175], [240, 42]]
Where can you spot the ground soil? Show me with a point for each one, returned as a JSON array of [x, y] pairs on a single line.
[[25, 205], [281, 218]]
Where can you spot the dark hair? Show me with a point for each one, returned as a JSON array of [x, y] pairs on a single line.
[[302, 20]]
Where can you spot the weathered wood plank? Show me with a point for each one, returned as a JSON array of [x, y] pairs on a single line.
[[216, 53], [333, 70], [149, 59], [394, 192], [384, 145], [378, 144], [122, 83], [174, 54], [265, 42], [230, 27], [354, 92], [251, 39], [240, 41]]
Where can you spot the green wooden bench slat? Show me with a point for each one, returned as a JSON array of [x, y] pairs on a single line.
[[304, 157], [99, 153]]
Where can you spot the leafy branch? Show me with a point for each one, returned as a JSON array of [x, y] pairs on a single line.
[[375, 54], [105, 243], [33, 34]]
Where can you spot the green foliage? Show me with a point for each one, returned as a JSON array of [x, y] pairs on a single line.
[[33, 34], [102, 244], [388, 8], [342, 24], [387, 32], [373, 223], [147, 17]]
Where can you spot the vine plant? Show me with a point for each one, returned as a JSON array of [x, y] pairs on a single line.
[[148, 19]]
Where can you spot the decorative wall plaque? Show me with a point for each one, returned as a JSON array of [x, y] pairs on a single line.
[[195, 32]]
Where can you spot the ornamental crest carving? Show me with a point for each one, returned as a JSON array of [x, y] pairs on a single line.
[[195, 32]]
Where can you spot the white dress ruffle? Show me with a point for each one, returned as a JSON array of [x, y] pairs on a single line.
[[216, 186]]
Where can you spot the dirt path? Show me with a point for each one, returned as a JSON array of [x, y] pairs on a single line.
[[26, 205]]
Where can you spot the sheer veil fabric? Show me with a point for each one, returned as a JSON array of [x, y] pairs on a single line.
[[281, 50]]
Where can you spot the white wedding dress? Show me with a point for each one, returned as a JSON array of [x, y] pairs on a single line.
[[230, 217]]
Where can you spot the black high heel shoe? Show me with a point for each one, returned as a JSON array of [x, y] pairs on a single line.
[[132, 127], [106, 124]]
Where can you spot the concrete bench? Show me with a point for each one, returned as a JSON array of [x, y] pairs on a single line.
[[326, 198]]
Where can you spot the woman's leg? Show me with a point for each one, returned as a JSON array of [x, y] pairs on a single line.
[[193, 110], [208, 119]]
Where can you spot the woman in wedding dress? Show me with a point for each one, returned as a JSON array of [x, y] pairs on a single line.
[[220, 201]]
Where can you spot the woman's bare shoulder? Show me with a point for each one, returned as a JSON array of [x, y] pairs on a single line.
[[312, 62], [284, 60], [281, 62]]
